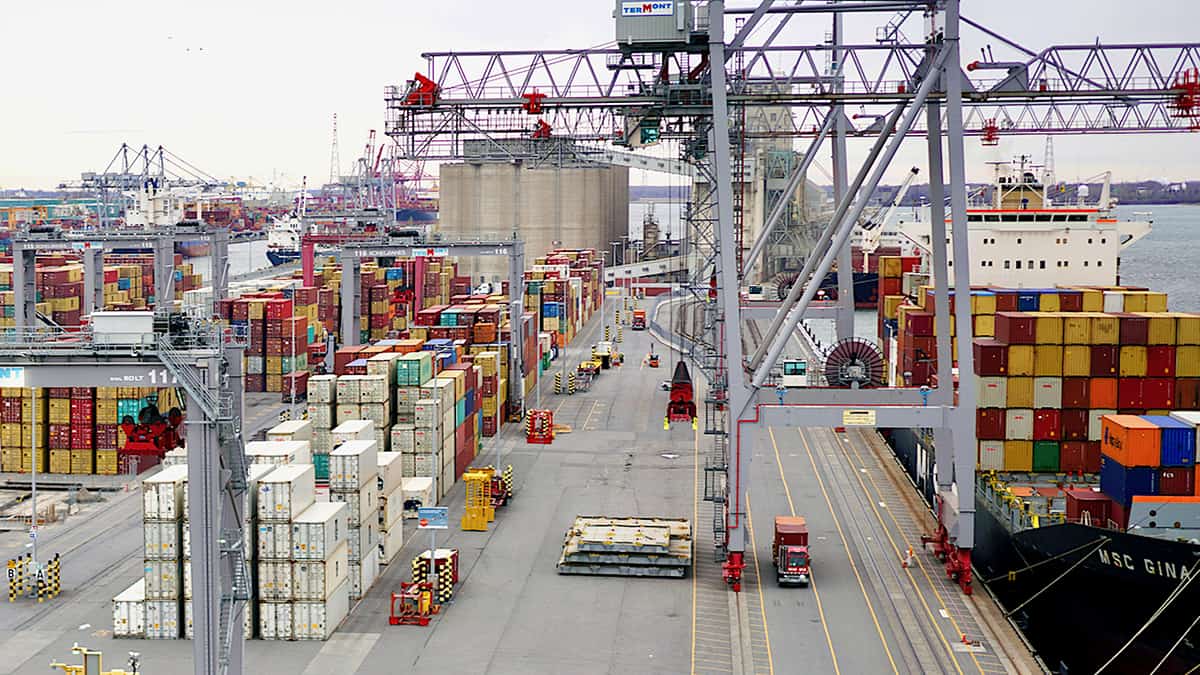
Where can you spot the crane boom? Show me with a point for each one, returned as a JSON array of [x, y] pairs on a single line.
[[873, 229]]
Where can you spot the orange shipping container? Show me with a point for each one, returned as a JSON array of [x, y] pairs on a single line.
[[1130, 440], [1102, 392]]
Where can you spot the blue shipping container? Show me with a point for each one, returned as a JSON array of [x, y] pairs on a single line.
[[1178, 440], [1028, 302], [1123, 483]]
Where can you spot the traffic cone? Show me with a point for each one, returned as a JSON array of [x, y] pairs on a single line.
[[908, 559]]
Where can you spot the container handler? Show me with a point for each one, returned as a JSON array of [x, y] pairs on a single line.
[[789, 551]]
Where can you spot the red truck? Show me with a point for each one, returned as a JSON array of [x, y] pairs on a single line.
[[639, 319], [789, 551]]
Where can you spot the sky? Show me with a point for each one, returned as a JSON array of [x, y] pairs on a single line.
[[248, 89]]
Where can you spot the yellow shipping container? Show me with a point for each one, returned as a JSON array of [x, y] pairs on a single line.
[[1048, 328], [1187, 328], [1155, 301], [10, 459], [983, 304], [274, 365], [1187, 361], [490, 405], [1019, 392], [1133, 361], [106, 462], [985, 325], [1020, 360], [1077, 361], [1018, 456], [274, 383], [1048, 302], [60, 411], [106, 393], [83, 461], [889, 267], [891, 305], [27, 459], [1160, 328], [1077, 328], [1047, 361], [60, 461], [1106, 329]]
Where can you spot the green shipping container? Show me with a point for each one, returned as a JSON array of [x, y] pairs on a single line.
[[1045, 456], [460, 411], [321, 466]]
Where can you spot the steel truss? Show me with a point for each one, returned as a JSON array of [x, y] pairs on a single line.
[[891, 90]]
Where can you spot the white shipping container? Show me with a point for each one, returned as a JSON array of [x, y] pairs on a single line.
[[374, 389], [275, 580], [318, 620], [391, 508], [407, 397], [992, 391], [418, 465], [1018, 424], [447, 454], [253, 476], [129, 611], [417, 492], [284, 493], [1095, 425], [347, 412], [448, 424], [189, 631], [402, 438], [322, 388], [162, 540], [380, 414], [383, 437], [363, 575], [363, 502], [383, 364], [185, 567], [427, 413], [162, 494], [162, 620], [1114, 301], [441, 390], [363, 538], [447, 480], [322, 441], [390, 543], [427, 441], [348, 388], [292, 430], [279, 452], [322, 415], [275, 621], [352, 464], [353, 430], [1047, 392], [389, 472], [162, 579], [317, 579], [274, 541], [318, 531], [991, 455], [175, 457]]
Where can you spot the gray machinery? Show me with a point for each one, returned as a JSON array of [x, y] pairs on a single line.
[[352, 255], [658, 83]]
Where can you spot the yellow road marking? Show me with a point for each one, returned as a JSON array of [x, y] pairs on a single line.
[[846, 543], [812, 582], [941, 601], [695, 519], [762, 604]]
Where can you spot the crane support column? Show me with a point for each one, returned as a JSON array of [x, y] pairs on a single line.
[[24, 285], [845, 257]]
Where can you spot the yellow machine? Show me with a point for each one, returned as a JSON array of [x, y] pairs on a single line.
[[93, 663], [479, 510]]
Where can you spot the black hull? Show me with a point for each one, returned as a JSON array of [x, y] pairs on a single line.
[[866, 288], [281, 257], [1077, 623]]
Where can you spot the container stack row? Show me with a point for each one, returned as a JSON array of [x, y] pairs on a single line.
[[354, 480]]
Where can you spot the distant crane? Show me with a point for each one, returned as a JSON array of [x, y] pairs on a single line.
[[335, 163]]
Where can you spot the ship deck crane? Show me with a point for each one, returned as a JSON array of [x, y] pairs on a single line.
[[873, 228], [915, 87]]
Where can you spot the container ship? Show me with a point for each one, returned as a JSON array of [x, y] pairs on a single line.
[[1086, 486]]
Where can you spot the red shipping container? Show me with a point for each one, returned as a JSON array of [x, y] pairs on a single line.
[[1187, 393], [889, 286], [489, 426], [1074, 424], [1105, 360], [241, 310], [922, 373], [1075, 392], [106, 436], [1047, 424], [1176, 481], [295, 385], [1134, 330], [1102, 392], [1006, 300], [1091, 460], [924, 347], [1071, 456], [1088, 506], [274, 346], [991, 357], [918, 323], [1130, 393], [1158, 393], [131, 462], [1070, 301], [1015, 328], [278, 309], [489, 384], [256, 383], [82, 393], [59, 392], [343, 356], [989, 424], [1160, 361]]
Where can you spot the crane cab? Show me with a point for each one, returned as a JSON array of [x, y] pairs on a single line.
[[795, 373]]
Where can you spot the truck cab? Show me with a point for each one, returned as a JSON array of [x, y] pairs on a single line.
[[789, 551], [639, 319], [603, 352]]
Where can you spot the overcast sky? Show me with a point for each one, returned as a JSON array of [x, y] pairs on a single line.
[[247, 89]]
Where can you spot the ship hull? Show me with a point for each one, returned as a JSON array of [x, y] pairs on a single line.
[[866, 288], [282, 256], [193, 249], [1079, 621]]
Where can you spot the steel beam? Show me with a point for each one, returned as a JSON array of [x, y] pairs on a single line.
[[846, 225], [891, 417], [768, 311], [845, 258]]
